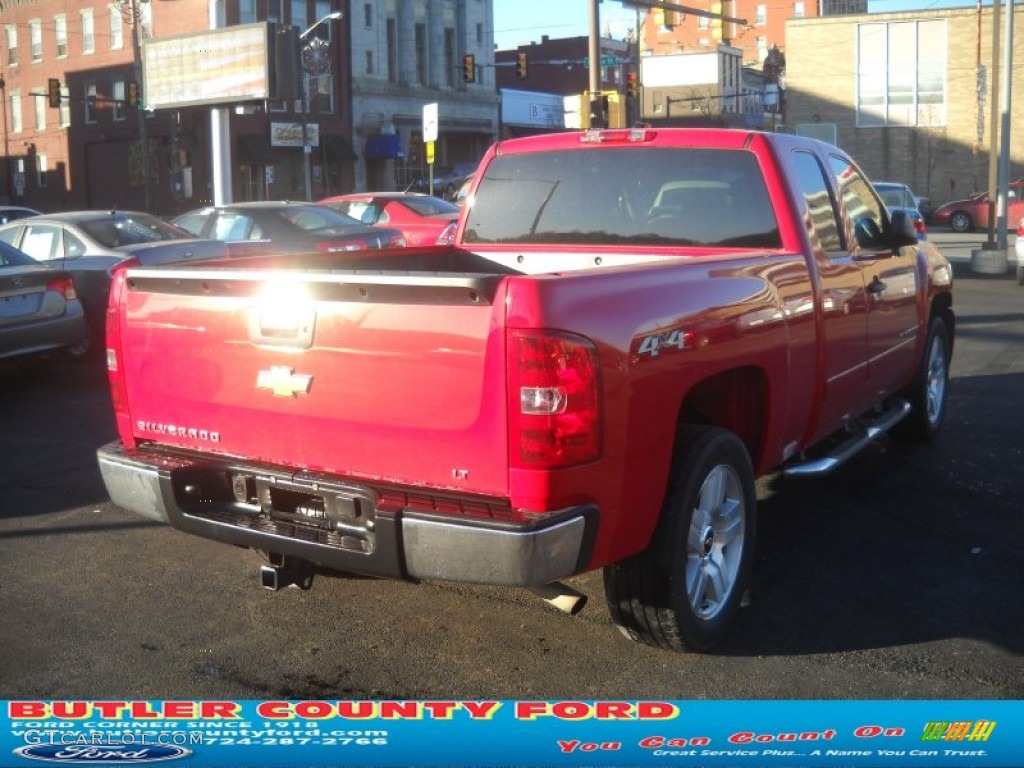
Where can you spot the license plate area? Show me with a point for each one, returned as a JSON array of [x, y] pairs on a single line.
[[294, 506], [328, 509]]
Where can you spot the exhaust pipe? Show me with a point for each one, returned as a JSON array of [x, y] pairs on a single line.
[[286, 572], [561, 596]]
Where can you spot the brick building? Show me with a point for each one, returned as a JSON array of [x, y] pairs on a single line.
[[673, 32], [900, 92], [369, 75]]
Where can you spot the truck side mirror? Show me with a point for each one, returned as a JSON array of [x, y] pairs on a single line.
[[901, 231]]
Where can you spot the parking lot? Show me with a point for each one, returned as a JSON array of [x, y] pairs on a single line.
[[897, 577]]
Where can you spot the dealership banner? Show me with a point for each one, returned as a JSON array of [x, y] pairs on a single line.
[[480, 732]]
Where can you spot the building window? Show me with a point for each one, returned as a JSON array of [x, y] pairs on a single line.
[[703, 22], [275, 11], [299, 15], [88, 32], [449, 58], [368, 16], [116, 29], [421, 54], [369, 62], [40, 105], [11, 33], [119, 97], [798, 10], [90, 103], [761, 14], [40, 169], [17, 126], [323, 31], [35, 29], [901, 73], [323, 93], [65, 106], [246, 11], [479, 34], [60, 28], [392, 52]]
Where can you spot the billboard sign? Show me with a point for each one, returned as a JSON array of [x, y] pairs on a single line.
[[249, 62]]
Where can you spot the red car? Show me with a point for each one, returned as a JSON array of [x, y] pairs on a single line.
[[972, 212], [423, 219]]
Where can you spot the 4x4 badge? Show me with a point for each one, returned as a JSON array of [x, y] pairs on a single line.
[[283, 381]]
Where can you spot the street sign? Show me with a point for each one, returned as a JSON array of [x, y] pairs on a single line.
[[606, 61], [430, 122], [430, 153]]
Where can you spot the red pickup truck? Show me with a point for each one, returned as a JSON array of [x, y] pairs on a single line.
[[632, 326]]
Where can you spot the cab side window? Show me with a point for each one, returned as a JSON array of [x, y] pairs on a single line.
[[861, 203], [815, 187]]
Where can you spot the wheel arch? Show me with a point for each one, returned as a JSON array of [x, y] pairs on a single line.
[[736, 399], [942, 307]]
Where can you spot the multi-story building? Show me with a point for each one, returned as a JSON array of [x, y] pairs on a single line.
[[670, 32], [405, 55], [910, 95], [560, 67], [373, 68]]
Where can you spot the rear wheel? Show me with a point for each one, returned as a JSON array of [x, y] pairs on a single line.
[[684, 591], [961, 222]]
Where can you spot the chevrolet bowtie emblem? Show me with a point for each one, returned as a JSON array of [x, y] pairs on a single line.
[[283, 381]]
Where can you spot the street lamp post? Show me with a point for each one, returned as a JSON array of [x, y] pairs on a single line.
[[306, 149]]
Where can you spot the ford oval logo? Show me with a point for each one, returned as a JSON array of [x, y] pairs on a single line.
[[124, 754]]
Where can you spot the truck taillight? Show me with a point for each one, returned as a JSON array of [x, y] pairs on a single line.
[[115, 374], [554, 394], [65, 286]]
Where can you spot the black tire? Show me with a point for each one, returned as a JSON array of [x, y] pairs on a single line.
[[930, 389], [1020, 275], [703, 545], [961, 221]]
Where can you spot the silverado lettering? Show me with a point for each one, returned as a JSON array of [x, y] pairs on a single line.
[[631, 326]]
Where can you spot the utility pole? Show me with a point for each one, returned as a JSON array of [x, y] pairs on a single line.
[[597, 115], [8, 184], [1004, 130], [143, 137]]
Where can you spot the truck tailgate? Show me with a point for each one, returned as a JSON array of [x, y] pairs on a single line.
[[391, 378]]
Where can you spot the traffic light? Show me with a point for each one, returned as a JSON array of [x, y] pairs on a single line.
[[133, 94], [521, 65], [632, 85], [469, 68], [53, 91]]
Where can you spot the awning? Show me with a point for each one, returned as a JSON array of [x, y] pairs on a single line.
[[383, 147], [256, 149], [338, 150]]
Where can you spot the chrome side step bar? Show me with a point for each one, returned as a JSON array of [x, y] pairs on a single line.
[[852, 445]]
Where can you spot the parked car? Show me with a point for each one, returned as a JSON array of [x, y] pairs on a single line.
[[12, 212], [1019, 247], [281, 227], [446, 180], [972, 212], [897, 196], [423, 219], [39, 308], [89, 244]]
